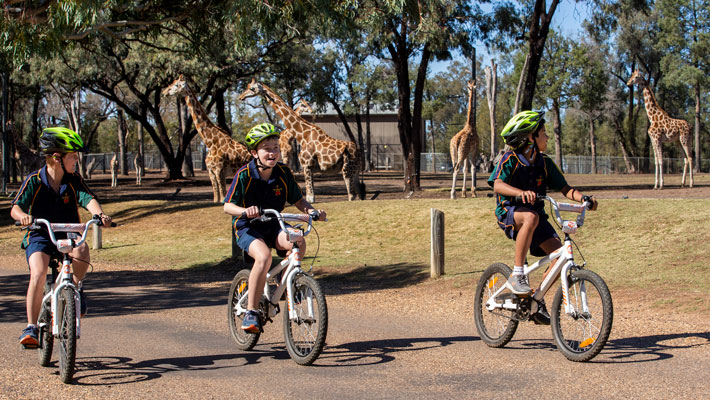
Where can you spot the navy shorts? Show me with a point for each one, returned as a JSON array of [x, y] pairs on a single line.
[[268, 234], [43, 244], [543, 232]]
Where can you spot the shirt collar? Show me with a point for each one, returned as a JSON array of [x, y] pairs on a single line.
[[45, 180]]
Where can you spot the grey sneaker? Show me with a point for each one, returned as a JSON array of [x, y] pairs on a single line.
[[518, 284]]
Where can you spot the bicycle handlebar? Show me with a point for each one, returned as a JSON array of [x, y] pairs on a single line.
[[557, 207], [64, 227], [269, 214]]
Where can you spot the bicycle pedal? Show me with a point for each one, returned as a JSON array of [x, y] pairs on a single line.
[[30, 346]]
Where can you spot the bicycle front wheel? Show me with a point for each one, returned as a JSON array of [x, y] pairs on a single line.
[[305, 335], [47, 339], [239, 288], [67, 334], [496, 327], [581, 335]]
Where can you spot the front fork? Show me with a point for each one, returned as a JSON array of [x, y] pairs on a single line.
[[63, 280]]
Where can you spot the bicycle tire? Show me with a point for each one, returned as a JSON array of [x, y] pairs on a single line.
[[495, 330], [67, 334], [581, 337], [240, 284], [305, 336], [47, 339]]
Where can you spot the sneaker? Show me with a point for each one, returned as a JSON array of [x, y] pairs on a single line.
[[29, 338], [518, 284], [82, 299], [541, 317], [250, 323]]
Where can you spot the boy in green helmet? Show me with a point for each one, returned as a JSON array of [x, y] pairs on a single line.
[[53, 193], [261, 184], [526, 171]]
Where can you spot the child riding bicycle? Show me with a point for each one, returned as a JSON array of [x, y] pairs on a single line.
[[54, 193], [526, 171], [262, 183]]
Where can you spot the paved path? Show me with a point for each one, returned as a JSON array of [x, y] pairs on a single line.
[[163, 334]]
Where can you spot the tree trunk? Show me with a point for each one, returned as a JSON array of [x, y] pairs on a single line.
[[185, 124], [141, 148], [539, 28], [122, 133], [519, 90], [697, 128], [557, 132], [593, 145], [368, 136], [491, 94]]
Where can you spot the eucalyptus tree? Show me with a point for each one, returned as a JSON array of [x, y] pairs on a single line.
[[685, 42]]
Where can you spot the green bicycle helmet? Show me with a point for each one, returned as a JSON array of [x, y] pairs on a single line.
[[516, 131], [259, 133], [60, 140]]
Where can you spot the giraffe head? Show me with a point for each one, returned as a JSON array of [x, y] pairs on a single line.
[[471, 86], [254, 88], [636, 79], [177, 87], [302, 106]]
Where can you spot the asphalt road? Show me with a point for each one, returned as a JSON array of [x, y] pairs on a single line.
[[163, 334]]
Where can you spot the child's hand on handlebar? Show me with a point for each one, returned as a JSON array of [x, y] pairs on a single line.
[[318, 215], [528, 197], [106, 220], [252, 212], [26, 220], [591, 200]]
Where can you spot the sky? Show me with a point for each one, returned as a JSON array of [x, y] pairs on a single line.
[[567, 19]]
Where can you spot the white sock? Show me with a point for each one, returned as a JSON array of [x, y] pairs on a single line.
[[32, 326], [518, 270]]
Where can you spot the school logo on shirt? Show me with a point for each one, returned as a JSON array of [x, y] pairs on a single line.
[[277, 190], [65, 198], [539, 181]]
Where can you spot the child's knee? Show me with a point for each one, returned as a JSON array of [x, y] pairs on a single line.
[[531, 219]]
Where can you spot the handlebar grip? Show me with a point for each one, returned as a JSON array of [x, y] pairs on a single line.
[[315, 215], [519, 199], [18, 223]]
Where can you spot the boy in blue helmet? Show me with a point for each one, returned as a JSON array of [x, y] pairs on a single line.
[[526, 171], [262, 183], [53, 193]]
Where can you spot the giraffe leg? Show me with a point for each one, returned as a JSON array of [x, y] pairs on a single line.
[[659, 162], [221, 189], [308, 175], [453, 182], [688, 162], [473, 179], [215, 185], [463, 184], [349, 186]]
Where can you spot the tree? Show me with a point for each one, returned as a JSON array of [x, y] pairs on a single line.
[[685, 40]]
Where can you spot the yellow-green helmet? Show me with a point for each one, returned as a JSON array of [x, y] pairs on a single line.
[[516, 131], [259, 133], [60, 140]]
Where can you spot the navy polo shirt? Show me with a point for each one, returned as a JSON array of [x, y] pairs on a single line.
[[248, 189], [37, 198], [515, 170]]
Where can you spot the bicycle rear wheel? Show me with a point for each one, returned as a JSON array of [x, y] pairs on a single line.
[[240, 285], [305, 336], [67, 334], [46, 337], [583, 334], [496, 327]]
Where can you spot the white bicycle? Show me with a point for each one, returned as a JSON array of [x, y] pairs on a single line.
[[306, 319], [582, 310], [58, 317]]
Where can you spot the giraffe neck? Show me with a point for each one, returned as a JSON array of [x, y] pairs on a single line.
[[650, 103], [205, 127], [288, 116], [471, 112]]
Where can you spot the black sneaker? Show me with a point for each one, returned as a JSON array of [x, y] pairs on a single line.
[[82, 299], [541, 317], [29, 338]]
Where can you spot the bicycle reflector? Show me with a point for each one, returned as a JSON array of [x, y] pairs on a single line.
[[64, 245], [569, 227]]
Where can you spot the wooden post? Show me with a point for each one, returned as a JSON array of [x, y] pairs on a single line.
[[97, 237], [437, 243]]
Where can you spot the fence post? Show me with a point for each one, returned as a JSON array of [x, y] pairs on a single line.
[[97, 237], [437, 243]]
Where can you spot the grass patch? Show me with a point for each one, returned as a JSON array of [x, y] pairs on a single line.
[[633, 244]]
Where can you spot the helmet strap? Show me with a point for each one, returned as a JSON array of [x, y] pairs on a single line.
[[261, 165]]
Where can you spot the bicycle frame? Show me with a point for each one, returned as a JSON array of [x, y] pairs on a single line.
[[64, 278], [565, 261], [292, 264]]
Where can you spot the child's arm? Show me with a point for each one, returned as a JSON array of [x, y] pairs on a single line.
[[18, 214], [505, 189], [236, 211], [95, 209], [575, 195], [306, 207]]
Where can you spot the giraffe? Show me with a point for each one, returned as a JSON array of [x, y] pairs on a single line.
[[225, 155], [464, 145], [114, 170], [317, 148], [138, 165], [287, 137], [28, 159], [663, 129]]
